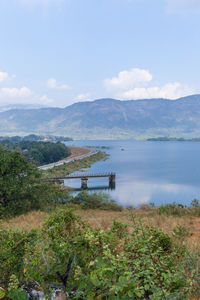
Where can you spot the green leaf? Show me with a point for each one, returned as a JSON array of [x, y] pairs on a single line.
[[2, 293], [17, 295], [130, 294], [94, 279]]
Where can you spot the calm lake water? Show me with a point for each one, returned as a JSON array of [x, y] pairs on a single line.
[[158, 172]]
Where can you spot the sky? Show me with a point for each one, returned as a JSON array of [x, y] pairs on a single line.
[[58, 52]]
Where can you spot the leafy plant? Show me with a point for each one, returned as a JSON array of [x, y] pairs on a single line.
[[181, 232], [173, 209], [14, 292], [2, 293], [195, 203], [124, 262], [95, 201]]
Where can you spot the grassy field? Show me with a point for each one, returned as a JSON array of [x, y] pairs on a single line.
[[102, 219]]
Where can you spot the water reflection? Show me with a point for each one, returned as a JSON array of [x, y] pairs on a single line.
[[103, 188], [137, 193]]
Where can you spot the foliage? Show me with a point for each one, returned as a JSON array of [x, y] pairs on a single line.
[[34, 137], [181, 232], [137, 262], [179, 210], [2, 293], [172, 209], [95, 201], [38, 152], [14, 292], [12, 250], [195, 203], [21, 188]]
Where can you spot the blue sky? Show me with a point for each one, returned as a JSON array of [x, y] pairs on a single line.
[[57, 52]]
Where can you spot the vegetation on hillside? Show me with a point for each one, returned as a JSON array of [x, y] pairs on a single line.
[[110, 119], [39, 153], [173, 139], [36, 138]]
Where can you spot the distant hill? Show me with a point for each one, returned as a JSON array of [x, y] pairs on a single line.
[[109, 118]]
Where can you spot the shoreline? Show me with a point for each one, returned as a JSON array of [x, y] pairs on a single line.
[[77, 153], [77, 163]]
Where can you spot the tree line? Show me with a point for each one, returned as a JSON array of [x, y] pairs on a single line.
[[38, 152]]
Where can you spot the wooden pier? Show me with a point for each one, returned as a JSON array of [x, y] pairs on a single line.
[[84, 178]]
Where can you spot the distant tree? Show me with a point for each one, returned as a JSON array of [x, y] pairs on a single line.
[[38, 152]]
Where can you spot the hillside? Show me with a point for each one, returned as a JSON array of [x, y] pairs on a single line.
[[109, 118]]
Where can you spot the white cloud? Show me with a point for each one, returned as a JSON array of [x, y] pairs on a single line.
[[128, 79], [15, 92], [45, 100], [3, 76], [83, 97], [136, 84], [181, 5], [22, 95], [53, 84], [170, 91]]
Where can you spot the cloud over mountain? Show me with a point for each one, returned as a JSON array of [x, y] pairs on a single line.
[[128, 79], [137, 84], [171, 91]]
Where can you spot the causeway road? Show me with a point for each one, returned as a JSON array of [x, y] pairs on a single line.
[[77, 154]]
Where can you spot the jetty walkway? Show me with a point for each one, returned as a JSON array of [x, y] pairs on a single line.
[[84, 178]]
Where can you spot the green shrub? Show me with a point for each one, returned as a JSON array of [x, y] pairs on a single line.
[[113, 264], [12, 250], [195, 203], [119, 228], [172, 209], [181, 232], [96, 201]]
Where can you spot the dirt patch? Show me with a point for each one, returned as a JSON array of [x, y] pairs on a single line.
[[78, 151]]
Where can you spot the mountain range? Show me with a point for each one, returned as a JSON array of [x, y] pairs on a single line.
[[109, 119]]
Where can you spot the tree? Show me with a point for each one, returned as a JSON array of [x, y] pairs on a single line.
[[21, 187]]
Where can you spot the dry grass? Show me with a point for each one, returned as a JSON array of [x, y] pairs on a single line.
[[31, 220], [78, 151], [104, 219]]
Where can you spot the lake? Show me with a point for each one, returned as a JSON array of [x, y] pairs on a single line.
[[147, 172]]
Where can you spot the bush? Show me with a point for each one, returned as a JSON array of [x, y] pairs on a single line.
[[97, 264], [96, 201], [172, 209], [180, 210], [12, 250], [195, 203]]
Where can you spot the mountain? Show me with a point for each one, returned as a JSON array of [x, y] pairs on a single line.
[[109, 118]]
